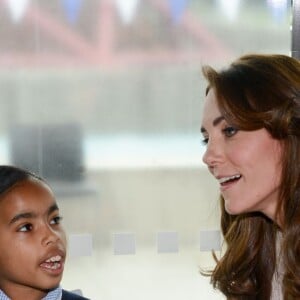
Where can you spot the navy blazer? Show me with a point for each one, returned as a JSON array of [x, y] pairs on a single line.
[[70, 296]]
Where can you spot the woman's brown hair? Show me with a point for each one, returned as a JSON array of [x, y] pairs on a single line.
[[254, 92]]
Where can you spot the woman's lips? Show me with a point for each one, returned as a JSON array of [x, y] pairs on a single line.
[[228, 181]]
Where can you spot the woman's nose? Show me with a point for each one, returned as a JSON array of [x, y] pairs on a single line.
[[213, 154]]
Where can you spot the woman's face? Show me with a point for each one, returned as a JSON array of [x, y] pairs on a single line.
[[245, 163]]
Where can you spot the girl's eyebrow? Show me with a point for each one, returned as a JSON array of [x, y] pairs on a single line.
[[30, 215], [215, 122], [25, 215], [52, 208]]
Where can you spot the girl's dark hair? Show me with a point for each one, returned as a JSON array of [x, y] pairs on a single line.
[[11, 175], [254, 92]]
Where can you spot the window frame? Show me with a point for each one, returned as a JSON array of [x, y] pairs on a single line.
[[296, 29]]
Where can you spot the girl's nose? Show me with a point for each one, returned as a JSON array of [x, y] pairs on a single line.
[[49, 236]]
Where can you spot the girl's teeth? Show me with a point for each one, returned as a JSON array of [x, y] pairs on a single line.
[[54, 258], [52, 266], [55, 266]]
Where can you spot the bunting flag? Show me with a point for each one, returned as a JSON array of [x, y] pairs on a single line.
[[278, 9], [127, 9], [17, 9], [230, 8], [177, 8], [72, 9]]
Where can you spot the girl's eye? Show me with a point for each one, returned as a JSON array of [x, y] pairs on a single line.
[[230, 131], [25, 228], [56, 220]]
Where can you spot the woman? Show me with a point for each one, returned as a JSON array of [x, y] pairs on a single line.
[[251, 125]]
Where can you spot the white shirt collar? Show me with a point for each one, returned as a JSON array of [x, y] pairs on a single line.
[[55, 294]]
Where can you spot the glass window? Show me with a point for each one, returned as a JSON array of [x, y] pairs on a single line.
[[103, 98]]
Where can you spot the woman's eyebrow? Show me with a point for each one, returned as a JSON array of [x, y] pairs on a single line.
[[218, 120], [215, 122]]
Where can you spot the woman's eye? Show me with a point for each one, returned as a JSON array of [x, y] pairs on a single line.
[[204, 141], [56, 220], [25, 228], [230, 131]]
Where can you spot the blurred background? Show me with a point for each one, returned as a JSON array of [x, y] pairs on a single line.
[[103, 98]]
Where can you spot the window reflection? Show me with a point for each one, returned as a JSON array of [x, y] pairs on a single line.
[[108, 94]]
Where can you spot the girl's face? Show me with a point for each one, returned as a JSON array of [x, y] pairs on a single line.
[[32, 241], [245, 163]]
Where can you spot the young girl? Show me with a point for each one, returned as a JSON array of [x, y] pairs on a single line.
[[251, 126], [32, 240]]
